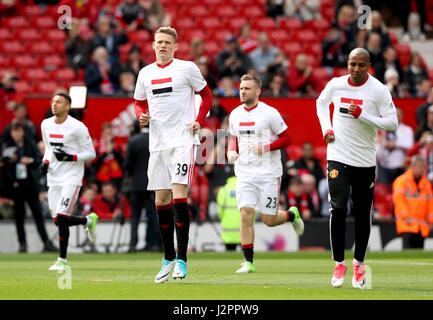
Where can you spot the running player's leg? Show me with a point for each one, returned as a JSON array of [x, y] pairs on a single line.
[[166, 222]]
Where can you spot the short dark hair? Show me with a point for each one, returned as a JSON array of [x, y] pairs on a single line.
[[17, 125], [64, 95]]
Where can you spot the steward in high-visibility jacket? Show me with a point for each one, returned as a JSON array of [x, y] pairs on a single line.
[[412, 196], [228, 212]]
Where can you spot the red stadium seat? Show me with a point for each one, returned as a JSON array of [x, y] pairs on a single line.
[[185, 23], [55, 35], [64, 74], [23, 87], [188, 35], [234, 25], [34, 74], [46, 87], [44, 22], [306, 36], [6, 34], [252, 12], [30, 10], [291, 24], [314, 48], [240, 3], [12, 47], [338, 72], [224, 11], [15, 23], [24, 61], [320, 152], [210, 23], [53, 61], [291, 49], [183, 49], [40, 48], [214, 2], [264, 24], [403, 49], [139, 36], [320, 73], [4, 61], [220, 35], [393, 37], [294, 152], [197, 11], [280, 36], [59, 48], [212, 48], [28, 35]]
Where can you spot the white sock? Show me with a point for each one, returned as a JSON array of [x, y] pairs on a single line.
[[356, 262], [61, 260], [342, 262], [89, 221]]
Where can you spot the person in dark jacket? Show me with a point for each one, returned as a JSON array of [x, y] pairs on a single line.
[[21, 159], [135, 167]]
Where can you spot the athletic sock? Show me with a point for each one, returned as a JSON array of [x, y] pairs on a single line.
[[357, 263], [63, 235], [166, 226], [341, 262], [290, 216], [181, 217], [76, 220], [248, 250]]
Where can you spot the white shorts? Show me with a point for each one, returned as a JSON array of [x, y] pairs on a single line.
[[171, 166], [261, 193], [62, 199]]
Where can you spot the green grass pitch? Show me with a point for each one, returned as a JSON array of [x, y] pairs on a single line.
[[406, 275]]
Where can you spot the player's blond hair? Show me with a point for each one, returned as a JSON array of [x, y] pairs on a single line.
[[168, 30], [251, 77]]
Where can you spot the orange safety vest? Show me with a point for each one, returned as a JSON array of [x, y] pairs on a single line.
[[413, 205]]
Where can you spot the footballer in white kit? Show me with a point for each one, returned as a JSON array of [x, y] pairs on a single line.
[[362, 105], [67, 146], [258, 132], [165, 100]]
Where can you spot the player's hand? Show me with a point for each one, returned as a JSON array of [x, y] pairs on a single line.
[[144, 119], [43, 168], [257, 149], [232, 156], [329, 138], [193, 127], [352, 108], [63, 156]]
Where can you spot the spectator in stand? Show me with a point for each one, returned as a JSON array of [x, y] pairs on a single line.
[[423, 88], [79, 46], [347, 22], [415, 72], [134, 63], [413, 22], [374, 48], [8, 8], [263, 55], [247, 44], [207, 75], [198, 197], [226, 88], [391, 151], [102, 76], [232, 61], [302, 9], [378, 26], [217, 110], [154, 15], [127, 84], [109, 35], [130, 15], [275, 8], [310, 187], [425, 125], [276, 87], [110, 204], [323, 191], [21, 116], [360, 39], [421, 111], [85, 203], [203, 61], [20, 158], [301, 80], [335, 49], [308, 164], [297, 197], [109, 159], [9, 97], [424, 148], [392, 82], [278, 66], [413, 204], [390, 61]]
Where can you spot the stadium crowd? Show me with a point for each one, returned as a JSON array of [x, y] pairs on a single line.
[[109, 42]]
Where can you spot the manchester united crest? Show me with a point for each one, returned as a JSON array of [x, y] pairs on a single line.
[[333, 174]]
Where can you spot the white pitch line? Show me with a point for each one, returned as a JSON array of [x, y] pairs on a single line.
[[401, 262]]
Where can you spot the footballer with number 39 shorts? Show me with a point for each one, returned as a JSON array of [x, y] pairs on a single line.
[[258, 132], [165, 100], [362, 104], [67, 146]]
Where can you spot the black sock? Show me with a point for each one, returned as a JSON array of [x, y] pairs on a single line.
[[181, 216], [62, 222], [166, 226], [290, 216], [248, 250], [76, 220]]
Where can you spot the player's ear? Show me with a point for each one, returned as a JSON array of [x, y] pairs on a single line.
[[176, 46], [153, 45]]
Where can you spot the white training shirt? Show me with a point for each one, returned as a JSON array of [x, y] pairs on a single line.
[[354, 143], [72, 137], [169, 91], [259, 125]]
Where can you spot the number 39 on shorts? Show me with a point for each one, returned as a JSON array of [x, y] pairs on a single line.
[[181, 169]]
